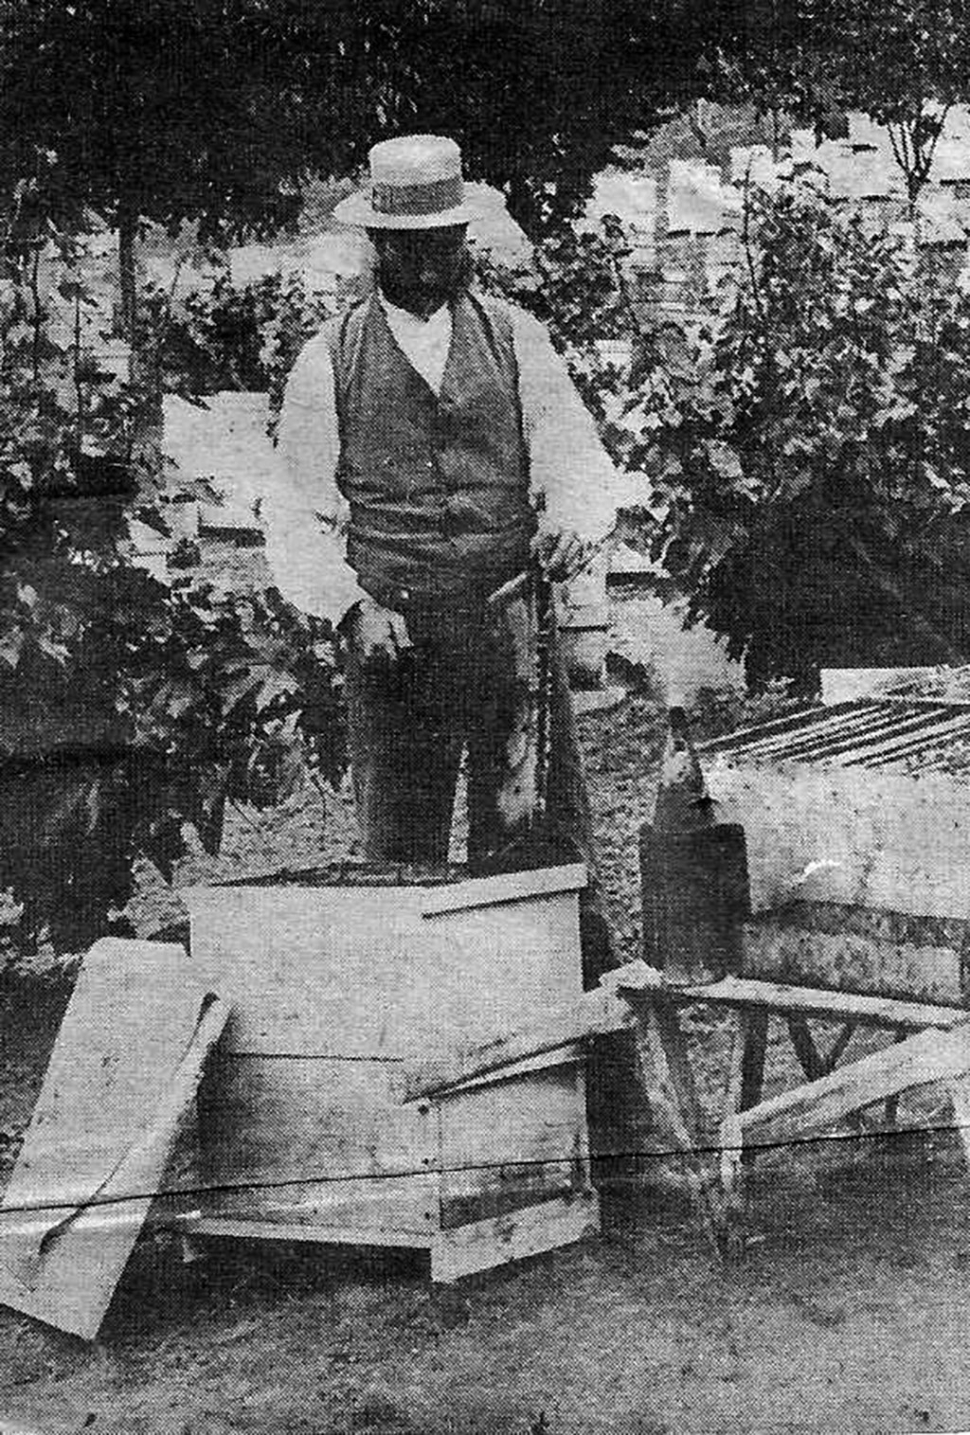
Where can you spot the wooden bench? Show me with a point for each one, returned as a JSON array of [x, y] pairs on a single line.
[[932, 1046]]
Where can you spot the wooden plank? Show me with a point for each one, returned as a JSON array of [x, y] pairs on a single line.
[[787, 746], [362, 972], [837, 1049], [742, 1091], [805, 1048], [594, 1013], [878, 924], [852, 962], [958, 1089], [569, 1055], [747, 1062], [911, 741], [294, 961], [504, 887], [499, 1240], [929, 1057], [892, 1102], [125, 1067], [326, 1137], [815, 742], [666, 1079], [777, 996], [510, 1143], [397, 1202], [734, 742], [881, 736], [240, 1229]]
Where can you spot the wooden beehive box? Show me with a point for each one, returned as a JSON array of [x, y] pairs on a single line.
[[858, 835], [336, 980]]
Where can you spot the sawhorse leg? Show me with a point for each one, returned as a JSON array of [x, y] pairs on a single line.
[[668, 1082], [745, 1079]]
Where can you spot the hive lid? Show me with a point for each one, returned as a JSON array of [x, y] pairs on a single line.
[[533, 880], [355, 874], [907, 735]]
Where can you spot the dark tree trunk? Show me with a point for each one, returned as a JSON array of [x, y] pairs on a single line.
[[128, 273]]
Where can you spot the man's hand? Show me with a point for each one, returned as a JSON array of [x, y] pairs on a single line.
[[561, 555], [378, 634]]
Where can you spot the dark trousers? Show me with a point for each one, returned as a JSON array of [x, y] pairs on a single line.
[[469, 684]]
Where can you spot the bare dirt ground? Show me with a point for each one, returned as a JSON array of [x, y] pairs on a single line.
[[849, 1312]]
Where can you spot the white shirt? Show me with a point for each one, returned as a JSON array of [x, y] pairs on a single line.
[[571, 478], [424, 341]]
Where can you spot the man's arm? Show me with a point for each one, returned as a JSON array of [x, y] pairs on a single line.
[[304, 514], [573, 481]]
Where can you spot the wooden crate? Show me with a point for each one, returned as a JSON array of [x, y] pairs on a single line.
[[304, 1131], [858, 846]]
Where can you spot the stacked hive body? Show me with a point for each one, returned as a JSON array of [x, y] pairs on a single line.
[[858, 833], [336, 980]]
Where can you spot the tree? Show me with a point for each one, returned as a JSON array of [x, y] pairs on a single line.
[[129, 708], [804, 449], [157, 109], [903, 62], [146, 110]]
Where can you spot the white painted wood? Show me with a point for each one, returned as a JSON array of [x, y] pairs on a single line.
[[490, 1143], [406, 1204], [271, 1126], [125, 1067], [482, 1245], [850, 835], [569, 1055], [504, 887], [297, 961], [335, 990]]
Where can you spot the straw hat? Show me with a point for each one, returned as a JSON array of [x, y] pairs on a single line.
[[416, 183]]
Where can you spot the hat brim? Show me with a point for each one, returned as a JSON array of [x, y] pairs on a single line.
[[357, 209]]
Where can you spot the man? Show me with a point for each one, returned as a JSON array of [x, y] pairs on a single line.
[[437, 435]]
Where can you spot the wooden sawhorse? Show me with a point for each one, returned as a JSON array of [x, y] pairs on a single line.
[[933, 1046]]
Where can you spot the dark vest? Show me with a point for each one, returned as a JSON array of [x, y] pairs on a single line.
[[437, 484]]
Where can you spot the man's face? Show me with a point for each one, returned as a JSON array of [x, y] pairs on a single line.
[[421, 269]]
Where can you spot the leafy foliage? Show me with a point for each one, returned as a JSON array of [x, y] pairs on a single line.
[[236, 338], [157, 109], [803, 446], [129, 707], [903, 62]]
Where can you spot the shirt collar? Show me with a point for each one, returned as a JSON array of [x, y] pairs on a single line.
[[404, 317]]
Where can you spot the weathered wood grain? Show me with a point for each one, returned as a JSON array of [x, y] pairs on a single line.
[[371, 971], [125, 1066], [481, 1245], [595, 1013], [495, 1155], [850, 961], [921, 1060], [336, 991], [850, 1006], [321, 1140]]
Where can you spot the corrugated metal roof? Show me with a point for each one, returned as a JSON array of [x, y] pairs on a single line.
[[913, 735]]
